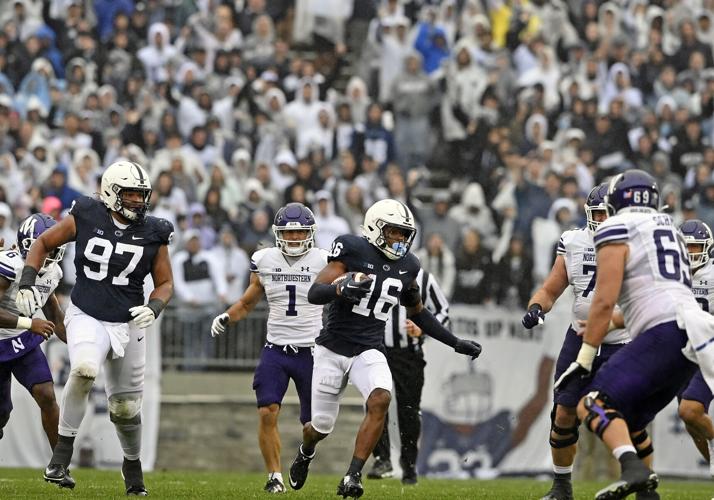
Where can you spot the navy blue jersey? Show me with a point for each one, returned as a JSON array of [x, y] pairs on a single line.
[[112, 262], [353, 328]]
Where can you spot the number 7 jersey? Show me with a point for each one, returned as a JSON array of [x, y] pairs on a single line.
[[657, 276], [112, 261]]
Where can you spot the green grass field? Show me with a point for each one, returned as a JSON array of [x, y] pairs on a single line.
[[26, 483]]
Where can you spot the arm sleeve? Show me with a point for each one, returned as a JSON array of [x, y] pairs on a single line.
[[431, 326]]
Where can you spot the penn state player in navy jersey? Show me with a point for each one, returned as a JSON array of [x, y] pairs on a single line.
[[350, 346], [697, 396], [117, 247], [284, 274], [20, 337]]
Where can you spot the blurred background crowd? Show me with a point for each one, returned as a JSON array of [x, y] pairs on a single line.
[[491, 119]]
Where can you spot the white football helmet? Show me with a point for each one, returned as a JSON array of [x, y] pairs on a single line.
[[386, 213], [125, 175]]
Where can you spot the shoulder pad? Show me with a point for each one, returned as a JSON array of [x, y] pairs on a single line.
[[165, 230], [342, 247], [9, 260], [82, 205], [258, 257]]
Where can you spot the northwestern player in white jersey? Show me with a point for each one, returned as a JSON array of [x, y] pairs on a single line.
[[364, 278], [283, 273], [697, 396], [20, 336], [117, 247], [643, 266], [575, 266]]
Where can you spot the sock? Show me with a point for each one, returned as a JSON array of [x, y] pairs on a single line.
[[276, 475], [62, 454], [355, 466], [308, 452], [74, 404], [130, 438], [622, 450], [562, 471]]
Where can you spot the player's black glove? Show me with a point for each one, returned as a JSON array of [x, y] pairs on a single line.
[[534, 316], [353, 291], [468, 347]]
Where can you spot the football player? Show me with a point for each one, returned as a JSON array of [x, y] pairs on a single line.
[[643, 265], [351, 343], [21, 336], [284, 274], [574, 265], [117, 247], [697, 396]]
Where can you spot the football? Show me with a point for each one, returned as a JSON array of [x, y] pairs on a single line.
[[358, 277]]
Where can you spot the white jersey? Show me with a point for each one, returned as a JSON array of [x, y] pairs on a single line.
[[11, 265], [657, 277], [703, 286], [578, 249], [291, 319]]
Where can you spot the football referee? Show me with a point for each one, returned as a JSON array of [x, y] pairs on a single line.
[[403, 341]]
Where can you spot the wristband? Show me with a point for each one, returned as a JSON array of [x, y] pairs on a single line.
[[536, 306], [586, 356], [28, 277], [156, 305], [23, 323]]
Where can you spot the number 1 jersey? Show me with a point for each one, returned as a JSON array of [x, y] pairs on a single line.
[[112, 262], [657, 276], [353, 328]]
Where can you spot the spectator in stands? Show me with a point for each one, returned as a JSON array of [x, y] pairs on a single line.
[[474, 270], [515, 275], [438, 259], [330, 224], [436, 219], [232, 262], [474, 212]]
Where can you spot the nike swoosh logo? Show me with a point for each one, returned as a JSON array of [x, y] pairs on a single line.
[[292, 483], [136, 238], [140, 339], [350, 286], [403, 272]]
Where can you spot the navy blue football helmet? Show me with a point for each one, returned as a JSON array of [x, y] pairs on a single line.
[[291, 217], [697, 232], [31, 229], [595, 202], [633, 188]]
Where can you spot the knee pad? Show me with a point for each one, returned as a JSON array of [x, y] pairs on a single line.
[[571, 433], [323, 423], [85, 369], [639, 440], [125, 408], [603, 411]]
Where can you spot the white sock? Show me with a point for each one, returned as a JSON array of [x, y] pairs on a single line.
[[276, 475], [74, 404], [710, 443], [559, 469], [130, 439], [621, 450]]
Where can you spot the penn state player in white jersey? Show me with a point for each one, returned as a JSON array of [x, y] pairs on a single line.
[[20, 337], [350, 345], [117, 247], [284, 273], [643, 266], [575, 266], [697, 396]]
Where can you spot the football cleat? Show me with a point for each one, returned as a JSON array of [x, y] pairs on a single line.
[[351, 486], [647, 495], [561, 490], [381, 469], [275, 485], [133, 478], [299, 469], [634, 479], [59, 475]]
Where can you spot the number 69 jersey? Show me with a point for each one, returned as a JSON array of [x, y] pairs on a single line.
[[578, 249], [112, 261], [292, 319], [354, 328], [657, 276]]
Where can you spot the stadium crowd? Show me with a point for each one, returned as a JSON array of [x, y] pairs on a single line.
[[491, 119]]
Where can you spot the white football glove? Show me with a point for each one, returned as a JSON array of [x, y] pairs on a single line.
[[28, 301], [143, 316], [219, 324]]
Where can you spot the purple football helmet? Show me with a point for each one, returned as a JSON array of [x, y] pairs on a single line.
[[30, 229], [594, 202], [291, 217], [633, 188], [697, 232]]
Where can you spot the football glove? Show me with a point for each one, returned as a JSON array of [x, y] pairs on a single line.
[[28, 300], [219, 324], [534, 316], [468, 347], [143, 316], [580, 368], [354, 291]]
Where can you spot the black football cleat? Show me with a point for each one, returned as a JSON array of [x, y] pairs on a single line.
[[133, 478], [637, 478], [381, 469], [299, 469], [561, 490], [351, 486], [274, 485], [647, 495], [59, 475]]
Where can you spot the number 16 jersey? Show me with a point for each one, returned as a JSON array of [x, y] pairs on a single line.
[[657, 276], [112, 261]]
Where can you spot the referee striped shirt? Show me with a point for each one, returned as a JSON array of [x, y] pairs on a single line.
[[395, 329]]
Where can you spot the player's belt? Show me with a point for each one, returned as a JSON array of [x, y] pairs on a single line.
[[288, 348]]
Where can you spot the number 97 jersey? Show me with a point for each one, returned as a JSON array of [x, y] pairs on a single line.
[[112, 261]]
